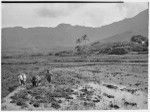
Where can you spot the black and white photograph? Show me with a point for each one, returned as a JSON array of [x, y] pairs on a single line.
[[74, 55]]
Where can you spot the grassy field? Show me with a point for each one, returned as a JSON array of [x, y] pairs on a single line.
[[106, 63], [126, 70]]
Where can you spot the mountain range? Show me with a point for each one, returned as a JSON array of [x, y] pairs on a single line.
[[63, 36]]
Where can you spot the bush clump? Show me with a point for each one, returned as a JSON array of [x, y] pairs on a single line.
[[55, 105], [12, 88], [36, 104], [20, 98], [118, 51], [20, 95]]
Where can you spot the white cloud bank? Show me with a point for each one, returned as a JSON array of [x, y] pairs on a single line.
[[50, 15]]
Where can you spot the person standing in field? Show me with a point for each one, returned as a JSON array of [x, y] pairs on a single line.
[[49, 76], [35, 81], [22, 79]]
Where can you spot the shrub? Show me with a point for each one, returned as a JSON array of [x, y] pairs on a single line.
[[12, 88], [55, 105], [37, 91], [81, 50], [36, 104], [20, 102], [20, 98], [118, 51], [4, 107], [138, 39], [20, 95], [50, 54], [139, 43], [137, 47], [63, 53], [36, 54], [105, 50]]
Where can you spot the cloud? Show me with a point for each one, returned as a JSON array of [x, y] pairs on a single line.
[[94, 15], [85, 14], [50, 13], [57, 10], [132, 8]]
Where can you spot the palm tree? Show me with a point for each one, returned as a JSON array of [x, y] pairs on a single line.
[[84, 38], [80, 48]]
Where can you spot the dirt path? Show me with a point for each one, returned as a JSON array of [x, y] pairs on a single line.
[[110, 93]]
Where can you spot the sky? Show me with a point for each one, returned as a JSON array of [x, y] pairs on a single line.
[[85, 14]]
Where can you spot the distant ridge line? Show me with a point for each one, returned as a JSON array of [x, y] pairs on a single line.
[[62, 2]]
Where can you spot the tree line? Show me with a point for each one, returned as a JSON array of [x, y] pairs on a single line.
[[136, 44]]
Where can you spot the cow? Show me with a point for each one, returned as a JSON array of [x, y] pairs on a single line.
[[35, 80], [48, 76], [22, 79]]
